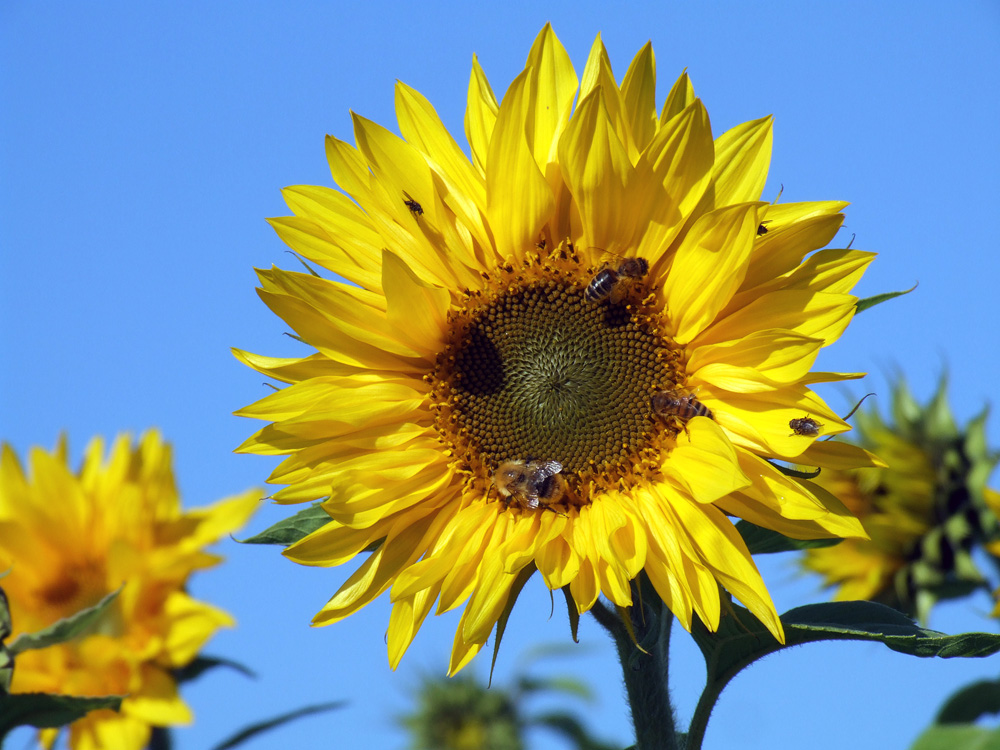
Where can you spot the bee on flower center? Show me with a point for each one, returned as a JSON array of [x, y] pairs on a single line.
[[415, 208], [683, 406], [805, 426], [610, 282], [532, 484]]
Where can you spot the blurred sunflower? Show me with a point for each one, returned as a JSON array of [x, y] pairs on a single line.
[[69, 539], [574, 353], [926, 511]]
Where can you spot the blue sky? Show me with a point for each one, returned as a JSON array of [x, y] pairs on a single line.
[[142, 147]]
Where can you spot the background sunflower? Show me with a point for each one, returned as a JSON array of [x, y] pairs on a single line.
[[148, 144]]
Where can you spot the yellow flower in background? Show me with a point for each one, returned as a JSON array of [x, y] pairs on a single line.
[[926, 511], [574, 353], [69, 539]]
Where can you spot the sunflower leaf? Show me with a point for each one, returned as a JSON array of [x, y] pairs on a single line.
[[290, 530], [742, 639], [761, 541], [44, 710], [571, 728], [878, 299], [788, 471], [969, 703], [254, 729], [204, 663], [958, 737], [63, 630]]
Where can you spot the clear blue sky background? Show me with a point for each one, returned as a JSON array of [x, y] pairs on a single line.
[[142, 146]]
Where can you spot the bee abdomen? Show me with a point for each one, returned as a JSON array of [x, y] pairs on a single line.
[[601, 285]]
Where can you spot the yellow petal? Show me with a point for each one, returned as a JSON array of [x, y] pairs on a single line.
[[480, 115], [742, 159], [708, 268], [704, 463], [598, 172], [518, 198], [639, 96]]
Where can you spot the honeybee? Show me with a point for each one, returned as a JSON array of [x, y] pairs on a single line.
[[676, 404], [533, 484], [611, 282], [805, 426], [415, 208]]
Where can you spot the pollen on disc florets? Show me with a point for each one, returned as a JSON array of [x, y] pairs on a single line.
[[533, 370]]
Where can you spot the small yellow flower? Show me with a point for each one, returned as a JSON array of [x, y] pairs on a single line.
[[574, 353], [926, 511], [69, 539]]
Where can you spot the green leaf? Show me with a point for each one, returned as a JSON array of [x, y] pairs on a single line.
[[878, 299], [66, 629], [204, 663], [761, 541], [743, 639], [254, 729], [570, 727], [958, 737], [969, 703], [519, 580], [291, 530], [43, 710], [568, 685]]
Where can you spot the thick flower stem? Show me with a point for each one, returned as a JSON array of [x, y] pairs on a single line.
[[644, 668]]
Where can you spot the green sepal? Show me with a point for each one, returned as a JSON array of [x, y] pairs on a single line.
[[6, 657], [878, 299], [958, 737], [519, 580], [202, 664], [761, 541], [292, 529], [305, 265], [969, 703], [573, 613], [571, 729], [66, 629], [47, 711], [253, 730], [788, 471]]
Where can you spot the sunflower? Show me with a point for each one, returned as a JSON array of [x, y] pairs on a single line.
[[575, 353], [926, 511], [70, 539]]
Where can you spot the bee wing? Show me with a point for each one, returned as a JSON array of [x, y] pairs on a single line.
[[545, 469]]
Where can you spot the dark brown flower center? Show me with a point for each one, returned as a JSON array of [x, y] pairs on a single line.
[[537, 371]]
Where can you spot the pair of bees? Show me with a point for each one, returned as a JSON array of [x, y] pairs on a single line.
[[686, 407]]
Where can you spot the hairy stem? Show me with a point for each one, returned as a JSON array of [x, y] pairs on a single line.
[[645, 665]]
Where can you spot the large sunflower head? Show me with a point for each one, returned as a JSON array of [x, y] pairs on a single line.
[[926, 511], [576, 352], [69, 539]]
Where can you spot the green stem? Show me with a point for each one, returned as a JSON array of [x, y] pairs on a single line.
[[644, 667], [699, 722]]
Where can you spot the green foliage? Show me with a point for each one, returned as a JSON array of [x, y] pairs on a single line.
[[264, 726], [761, 541], [74, 626], [958, 737], [742, 639], [878, 299], [970, 703], [572, 729], [42, 710], [291, 530], [202, 664]]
